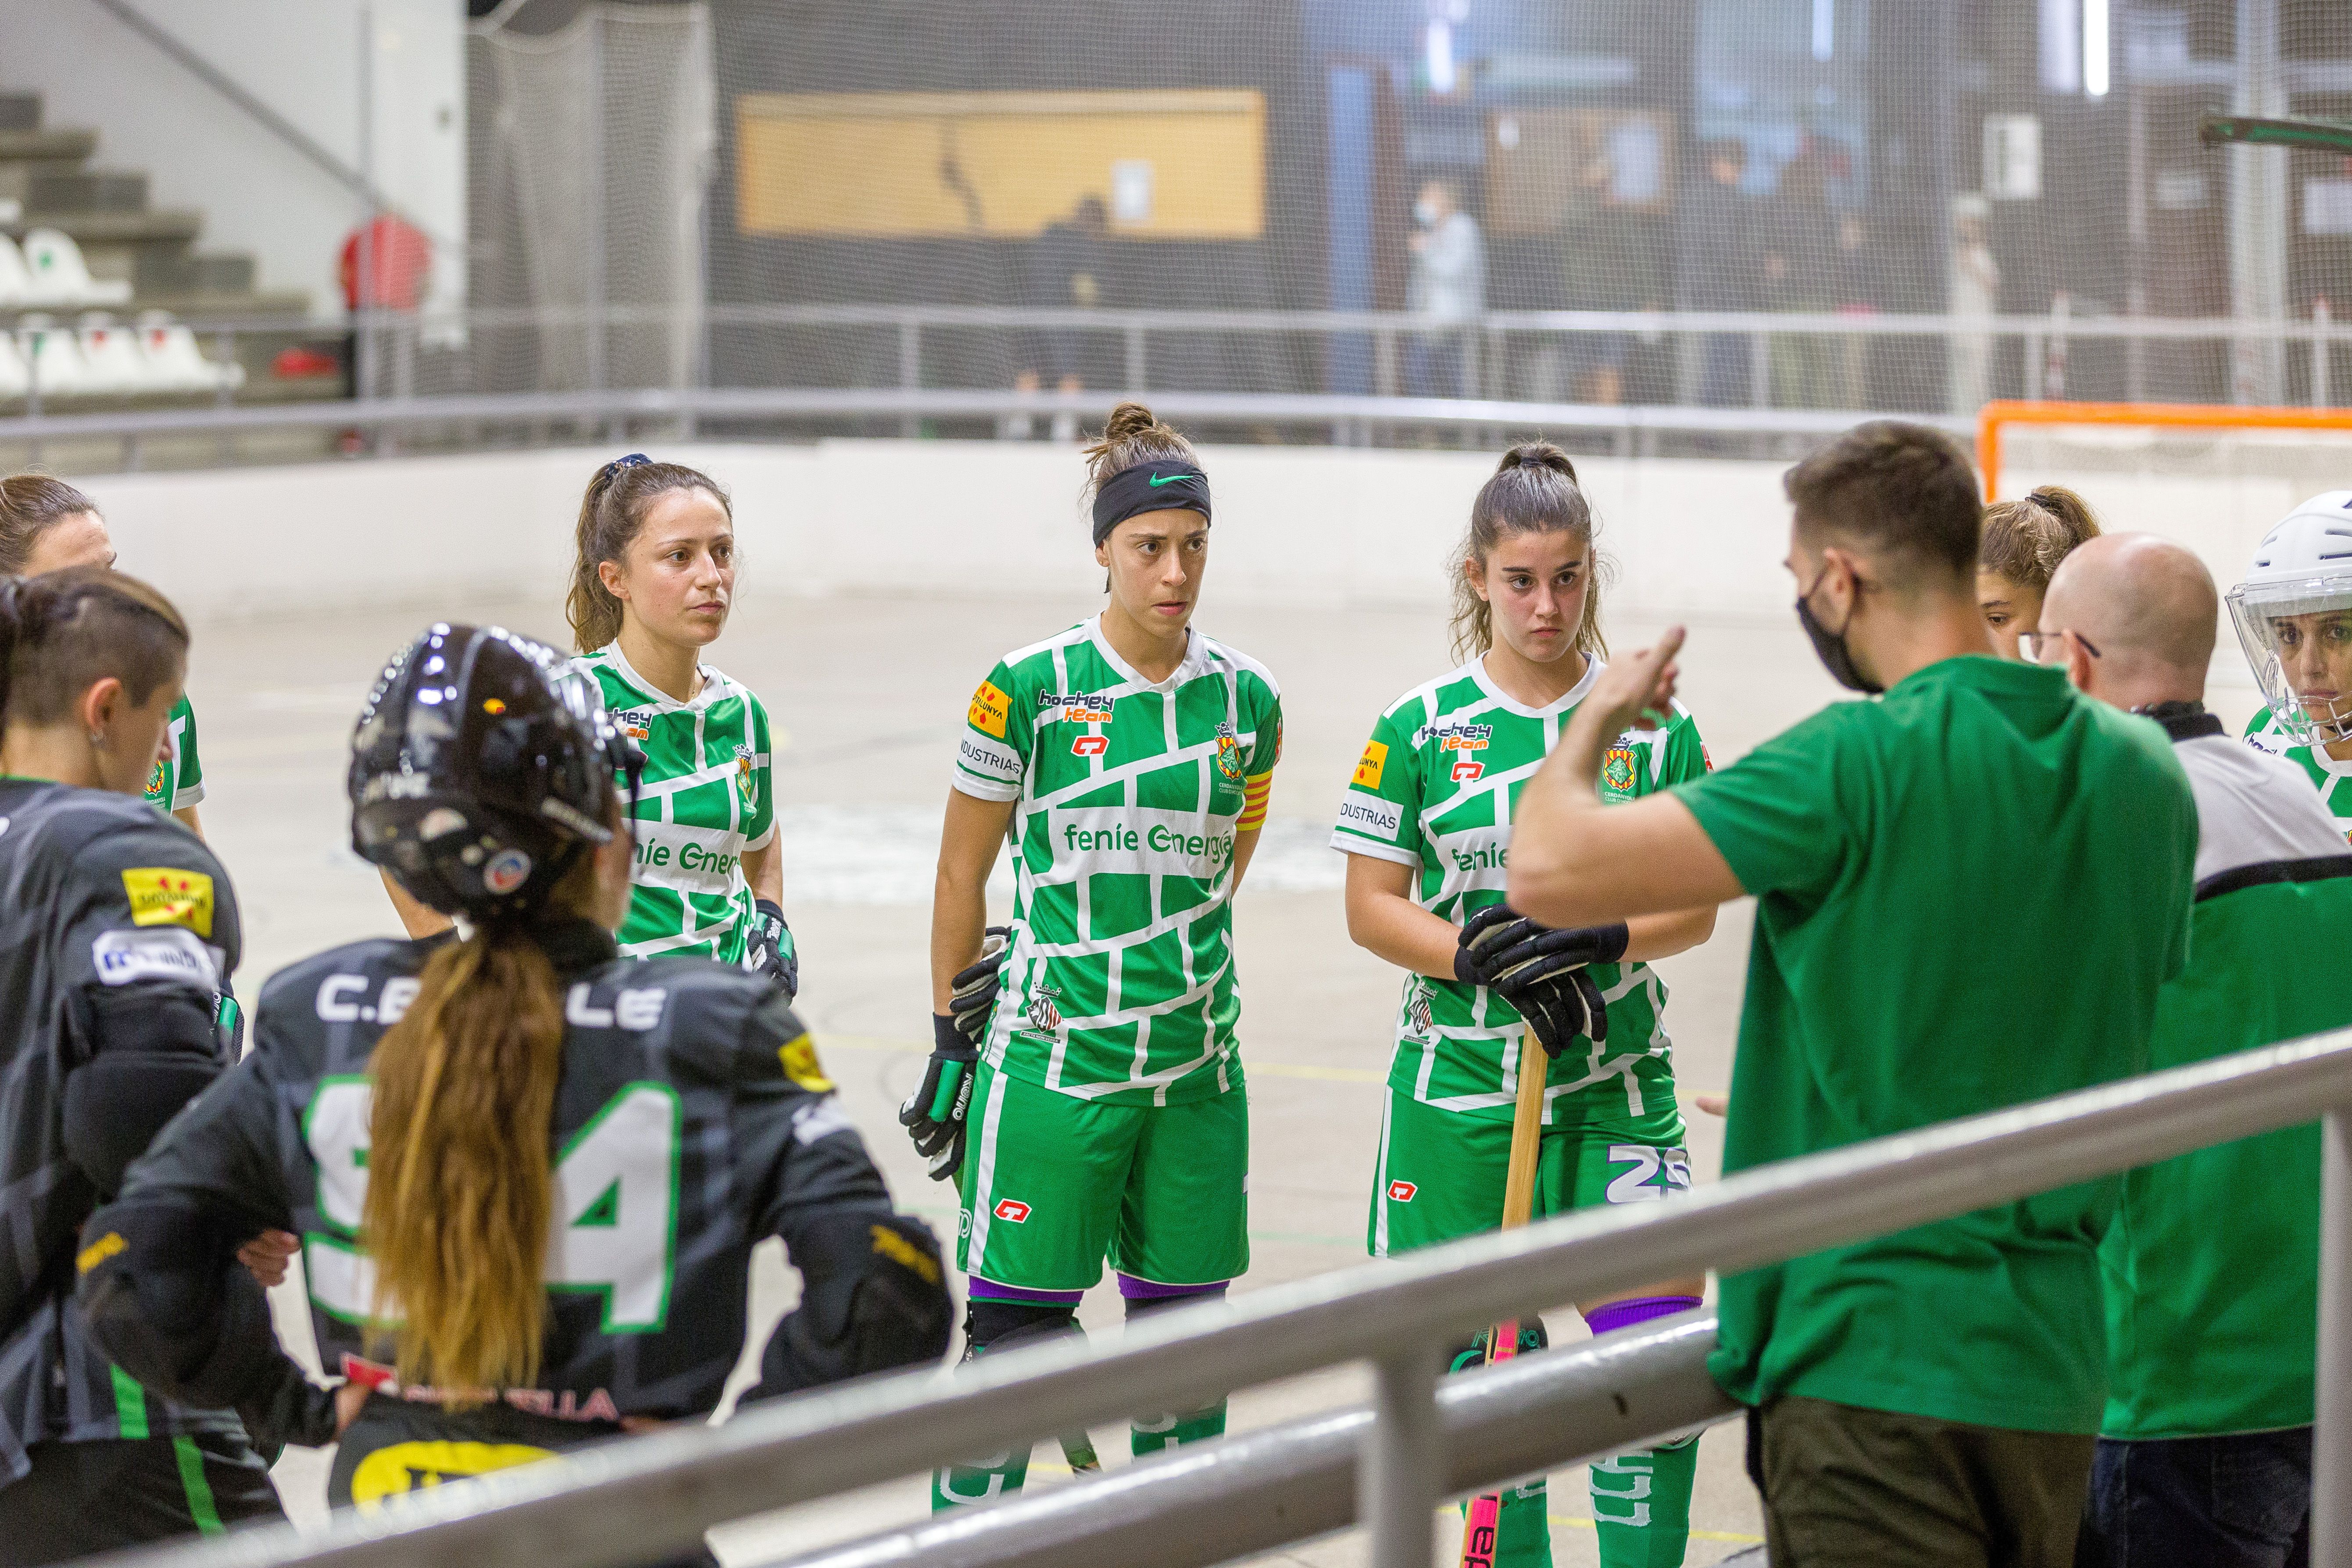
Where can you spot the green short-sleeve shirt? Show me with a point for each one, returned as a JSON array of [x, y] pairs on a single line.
[[178, 783], [1968, 893]]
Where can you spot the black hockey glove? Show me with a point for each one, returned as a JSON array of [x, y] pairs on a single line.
[[972, 997], [1540, 972], [771, 950], [934, 1114]]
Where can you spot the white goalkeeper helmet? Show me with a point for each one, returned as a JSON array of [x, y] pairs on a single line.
[[2302, 568]]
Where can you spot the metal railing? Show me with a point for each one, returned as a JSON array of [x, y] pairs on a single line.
[[635, 1500], [912, 363]]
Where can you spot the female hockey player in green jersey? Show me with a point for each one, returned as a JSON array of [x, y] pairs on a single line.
[[651, 587], [1427, 823], [2023, 542], [2294, 617], [47, 525], [1094, 1049]]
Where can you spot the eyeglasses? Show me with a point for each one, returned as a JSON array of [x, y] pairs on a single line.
[[2050, 647]]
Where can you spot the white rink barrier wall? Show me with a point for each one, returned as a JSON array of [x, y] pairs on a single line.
[[1321, 526]]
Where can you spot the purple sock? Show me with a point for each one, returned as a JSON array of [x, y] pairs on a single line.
[[1638, 1309], [1136, 1289], [980, 1290]]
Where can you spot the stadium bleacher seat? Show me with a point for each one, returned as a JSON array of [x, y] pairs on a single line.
[[13, 377], [174, 363], [110, 359], [55, 355], [58, 275]]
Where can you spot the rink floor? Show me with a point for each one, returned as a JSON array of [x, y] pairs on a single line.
[[867, 694]]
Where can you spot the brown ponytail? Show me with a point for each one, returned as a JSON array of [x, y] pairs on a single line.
[[1533, 490], [460, 1183], [611, 513], [2024, 540], [30, 505], [1133, 436]]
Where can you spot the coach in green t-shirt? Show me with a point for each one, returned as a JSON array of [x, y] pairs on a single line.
[[1968, 893]]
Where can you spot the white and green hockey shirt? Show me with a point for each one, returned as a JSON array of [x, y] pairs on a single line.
[[708, 796], [2334, 779], [177, 783], [1434, 790], [1120, 986]]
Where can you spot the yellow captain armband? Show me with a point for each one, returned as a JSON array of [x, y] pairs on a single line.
[[1256, 792]]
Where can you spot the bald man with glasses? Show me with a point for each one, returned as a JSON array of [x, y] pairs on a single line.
[[2212, 1263]]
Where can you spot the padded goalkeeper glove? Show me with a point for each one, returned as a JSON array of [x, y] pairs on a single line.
[[933, 1115], [771, 950], [1541, 971]]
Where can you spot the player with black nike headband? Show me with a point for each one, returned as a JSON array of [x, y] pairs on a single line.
[[531, 1171], [118, 934], [1130, 758], [1427, 823]]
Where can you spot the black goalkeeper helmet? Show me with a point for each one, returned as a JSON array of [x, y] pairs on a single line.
[[482, 769]]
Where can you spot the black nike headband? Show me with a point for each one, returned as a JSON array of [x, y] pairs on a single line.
[[1169, 485]]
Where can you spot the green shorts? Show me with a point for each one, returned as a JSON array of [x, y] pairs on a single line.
[[1051, 1184], [1440, 1175]]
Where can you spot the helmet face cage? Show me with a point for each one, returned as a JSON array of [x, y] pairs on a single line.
[[2256, 611]]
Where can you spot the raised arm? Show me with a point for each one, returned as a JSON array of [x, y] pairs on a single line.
[[1575, 862]]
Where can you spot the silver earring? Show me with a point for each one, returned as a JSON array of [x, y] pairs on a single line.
[[98, 740]]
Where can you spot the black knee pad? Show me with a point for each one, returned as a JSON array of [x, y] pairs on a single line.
[[1144, 1306], [1001, 1325]]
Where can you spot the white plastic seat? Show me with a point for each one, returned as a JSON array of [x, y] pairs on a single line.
[[175, 362], [13, 377], [16, 283], [110, 359], [60, 276], [55, 355]]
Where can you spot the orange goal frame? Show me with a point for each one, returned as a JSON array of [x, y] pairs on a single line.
[[1994, 417]]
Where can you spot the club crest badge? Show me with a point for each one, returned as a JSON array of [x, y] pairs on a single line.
[[1617, 769], [1229, 754], [1043, 1015]]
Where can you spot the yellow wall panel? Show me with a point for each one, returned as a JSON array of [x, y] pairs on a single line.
[[998, 166]]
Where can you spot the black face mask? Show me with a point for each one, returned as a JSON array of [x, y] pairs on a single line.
[[1830, 647]]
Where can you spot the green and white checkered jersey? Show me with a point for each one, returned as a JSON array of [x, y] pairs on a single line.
[[708, 796], [2334, 779], [179, 783], [1120, 986], [1434, 790]]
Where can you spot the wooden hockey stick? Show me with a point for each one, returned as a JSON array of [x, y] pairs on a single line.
[[1478, 1530]]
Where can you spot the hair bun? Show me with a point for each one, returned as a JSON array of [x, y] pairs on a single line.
[[1128, 419], [1536, 455], [2070, 510]]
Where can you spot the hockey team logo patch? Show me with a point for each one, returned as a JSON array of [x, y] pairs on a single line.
[[1044, 1017], [1402, 1192], [1090, 745], [1012, 1210], [156, 778], [1617, 769], [166, 896], [1468, 772], [1229, 754]]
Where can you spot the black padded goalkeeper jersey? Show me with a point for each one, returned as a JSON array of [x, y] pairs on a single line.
[[118, 931], [692, 1119]]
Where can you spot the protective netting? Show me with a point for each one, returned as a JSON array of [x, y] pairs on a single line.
[[854, 194]]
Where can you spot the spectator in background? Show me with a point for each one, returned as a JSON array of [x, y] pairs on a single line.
[[1066, 272], [1799, 248], [1715, 254], [1974, 291], [1449, 284], [1854, 291]]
